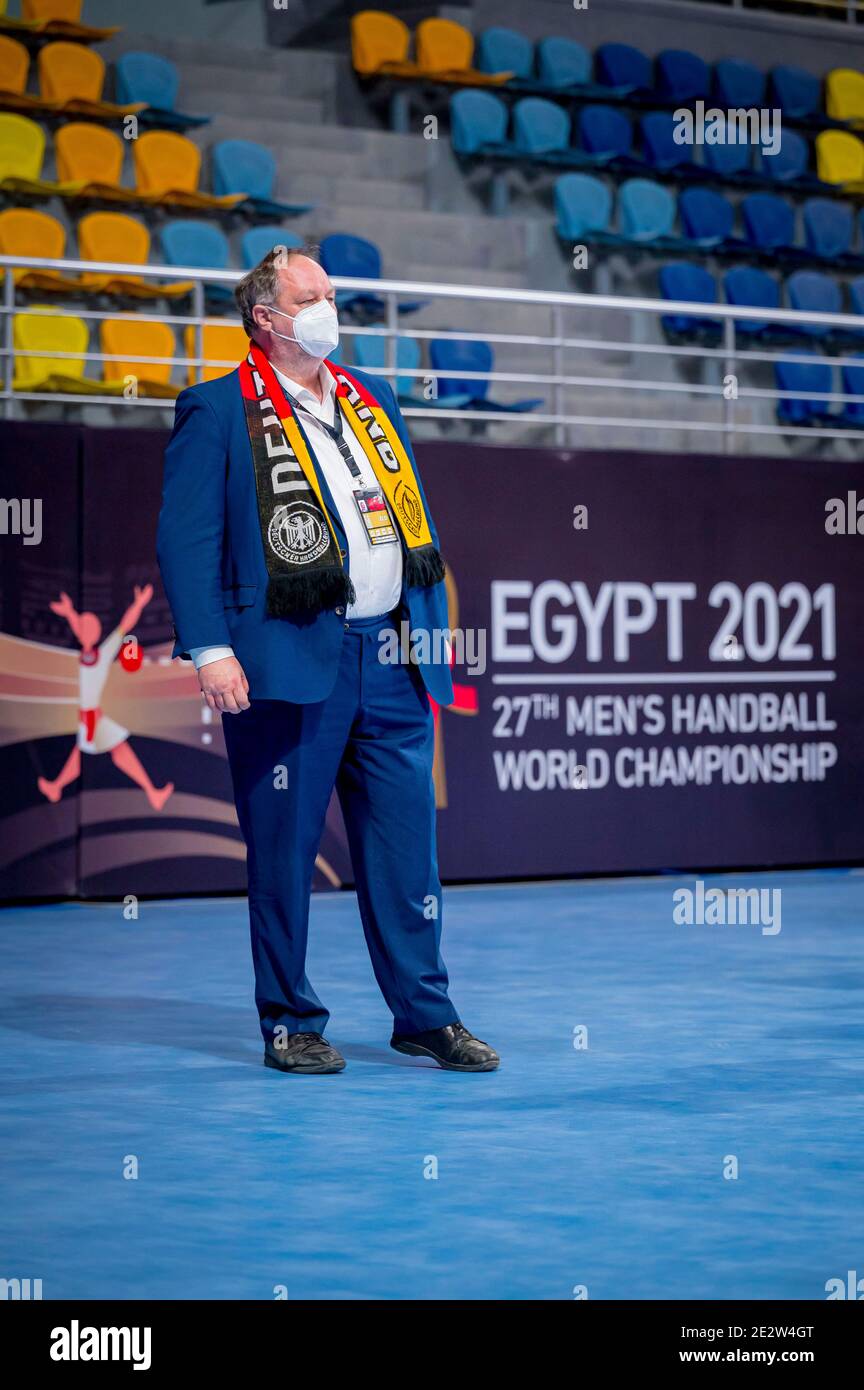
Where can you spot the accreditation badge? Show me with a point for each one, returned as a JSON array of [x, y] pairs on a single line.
[[372, 507]]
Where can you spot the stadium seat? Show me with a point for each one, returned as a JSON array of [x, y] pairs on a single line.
[[247, 169], [257, 241], [478, 124], [769, 222], [14, 67], [202, 245], [828, 228], [369, 351], [22, 150], [751, 288], [127, 339], [506, 50], [659, 146], [806, 379], [445, 51], [167, 167], [562, 63], [605, 134], [114, 236], [72, 76], [469, 355], [738, 84], [797, 92], [844, 95], [62, 19], [148, 78], [789, 164], [729, 163], [27, 232], [812, 292], [646, 212], [91, 156], [380, 43], [220, 342], [852, 384], [583, 206], [839, 157], [681, 280], [625, 69], [541, 129], [682, 76], [706, 216], [48, 333], [856, 295], [352, 256]]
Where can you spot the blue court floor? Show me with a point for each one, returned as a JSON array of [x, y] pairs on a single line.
[[600, 1167]]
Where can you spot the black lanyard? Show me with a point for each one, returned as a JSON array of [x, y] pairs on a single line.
[[335, 431]]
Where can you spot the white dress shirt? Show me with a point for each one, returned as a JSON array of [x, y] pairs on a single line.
[[376, 570]]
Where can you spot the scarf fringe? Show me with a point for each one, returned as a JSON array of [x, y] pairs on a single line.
[[292, 594], [424, 567]]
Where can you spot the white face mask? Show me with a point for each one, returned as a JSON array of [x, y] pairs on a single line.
[[316, 328]]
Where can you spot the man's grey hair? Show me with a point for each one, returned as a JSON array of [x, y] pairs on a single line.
[[261, 284]]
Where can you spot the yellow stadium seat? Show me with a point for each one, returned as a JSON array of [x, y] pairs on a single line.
[[221, 342], [14, 65], [113, 236], [444, 52], [42, 10], [844, 95], [26, 232], [69, 70], [22, 148], [379, 43], [88, 154], [49, 333], [167, 166], [127, 339], [839, 157]]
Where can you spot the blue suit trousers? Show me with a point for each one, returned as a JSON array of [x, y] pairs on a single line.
[[372, 738]]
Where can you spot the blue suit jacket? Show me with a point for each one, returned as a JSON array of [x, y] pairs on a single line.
[[212, 558]]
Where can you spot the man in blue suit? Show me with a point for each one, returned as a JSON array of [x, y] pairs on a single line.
[[295, 542]]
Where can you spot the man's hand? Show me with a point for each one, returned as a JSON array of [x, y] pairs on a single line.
[[224, 686]]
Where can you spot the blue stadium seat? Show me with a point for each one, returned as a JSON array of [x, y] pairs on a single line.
[[852, 384], [625, 68], [541, 128], [257, 241], [659, 145], [604, 133], [563, 63], [468, 355], [583, 205], [478, 123], [797, 92], [243, 166], [812, 292], [681, 75], [505, 50], [706, 216], [731, 163], [147, 77], [369, 351], [751, 288], [352, 256], [201, 244], [856, 295], [769, 222], [828, 228], [790, 162], [646, 211], [805, 379], [738, 84], [681, 280]]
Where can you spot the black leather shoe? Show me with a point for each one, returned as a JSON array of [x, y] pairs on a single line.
[[303, 1052], [453, 1048]]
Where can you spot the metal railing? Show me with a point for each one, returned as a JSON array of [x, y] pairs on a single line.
[[554, 380]]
